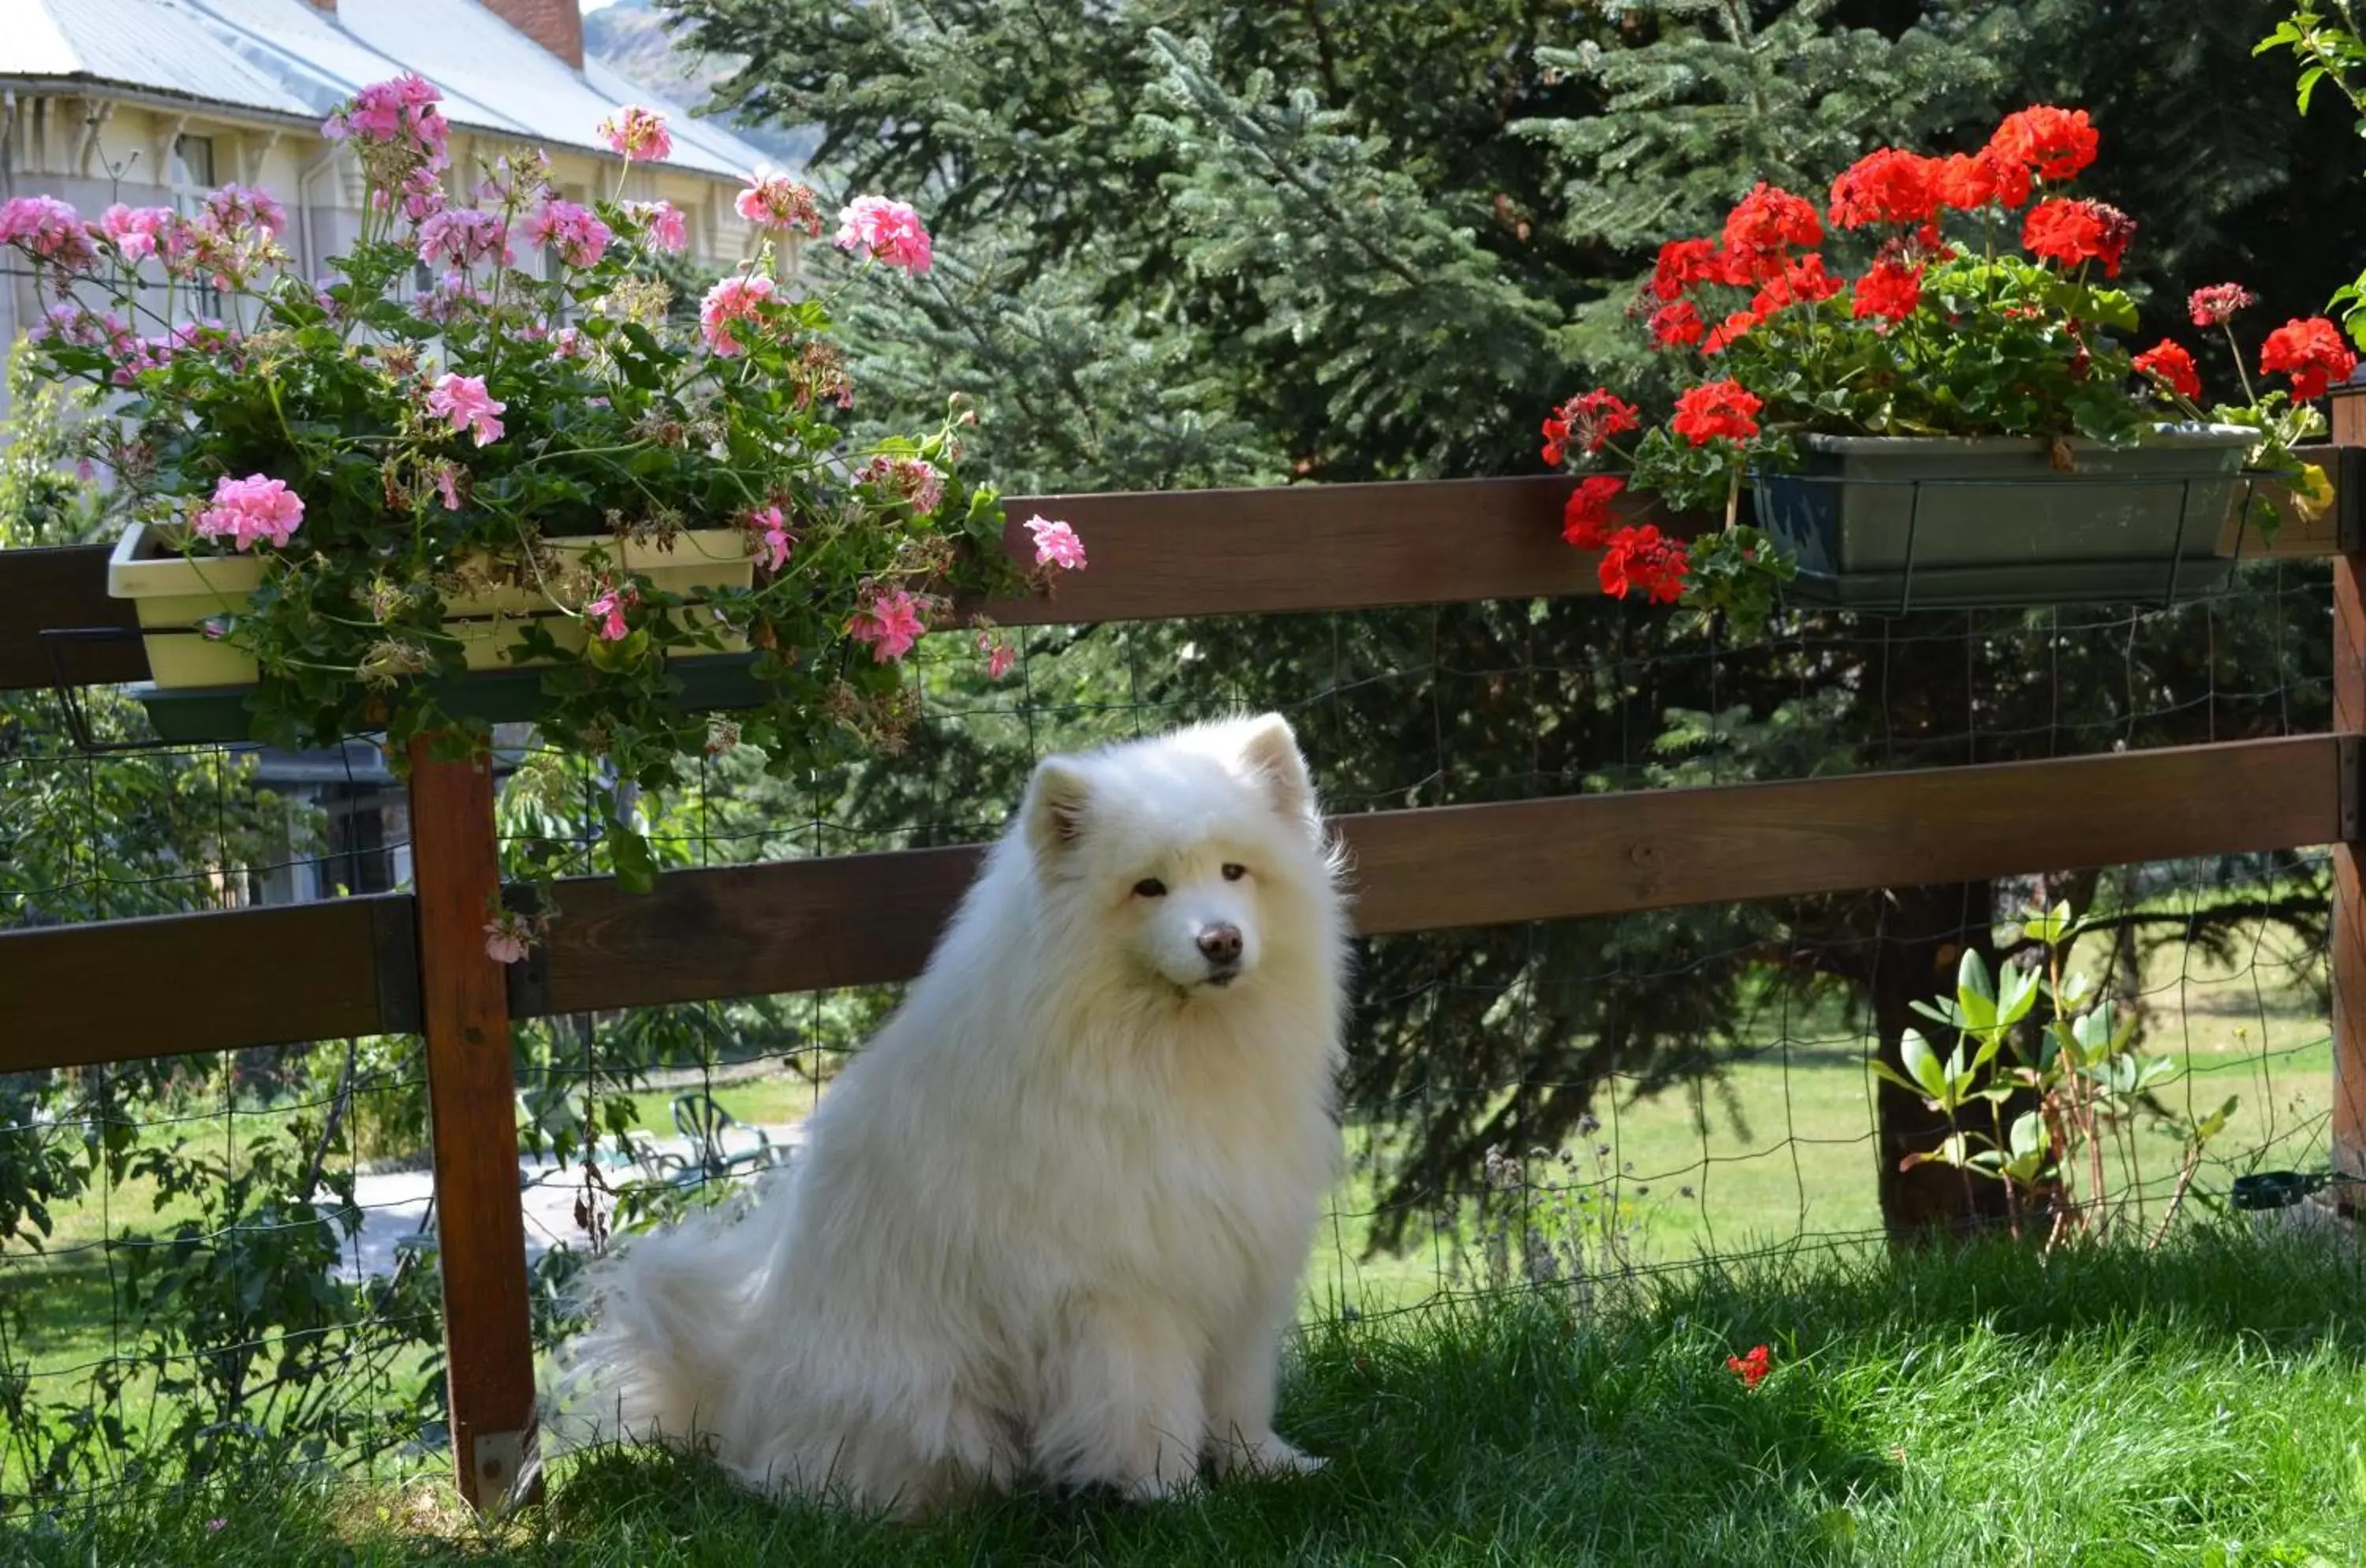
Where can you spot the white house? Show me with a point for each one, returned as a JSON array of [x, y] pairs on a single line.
[[153, 102]]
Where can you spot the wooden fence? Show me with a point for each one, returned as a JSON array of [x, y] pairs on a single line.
[[415, 962]]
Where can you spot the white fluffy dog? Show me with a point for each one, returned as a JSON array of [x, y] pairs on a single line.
[[1052, 1220]]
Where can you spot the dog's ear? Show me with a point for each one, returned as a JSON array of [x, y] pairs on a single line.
[[1271, 752], [1055, 806]]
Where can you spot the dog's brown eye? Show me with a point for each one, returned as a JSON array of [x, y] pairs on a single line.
[[1150, 887], [1234, 873]]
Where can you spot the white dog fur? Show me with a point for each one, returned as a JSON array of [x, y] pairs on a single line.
[[1051, 1222]]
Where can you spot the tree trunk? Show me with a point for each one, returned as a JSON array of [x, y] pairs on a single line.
[[1923, 932]]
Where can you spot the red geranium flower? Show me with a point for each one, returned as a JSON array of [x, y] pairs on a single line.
[[1726, 330], [2009, 176], [1585, 521], [2169, 363], [1802, 279], [1639, 561], [1887, 187], [2053, 144], [1963, 181], [1889, 290], [1683, 263], [1751, 1369], [2310, 353], [1588, 420], [1678, 325], [1717, 409], [1970, 181], [2216, 305], [2072, 232], [1768, 224]]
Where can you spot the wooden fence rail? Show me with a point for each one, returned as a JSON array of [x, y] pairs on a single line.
[[351, 966], [1169, 556], [398, 963]]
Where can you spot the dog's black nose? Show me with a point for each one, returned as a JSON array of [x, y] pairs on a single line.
[[1220, 945]]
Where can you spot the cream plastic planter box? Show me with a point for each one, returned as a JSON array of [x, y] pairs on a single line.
[[174, 593]]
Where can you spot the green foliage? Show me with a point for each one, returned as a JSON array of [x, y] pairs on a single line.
[[2205, 151], [44, 500], [1082, 391], [1694, 101], [2053, 1087], [1416, 351], [233, 1340], [2327, 45]]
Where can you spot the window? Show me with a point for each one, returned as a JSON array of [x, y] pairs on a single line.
[[192, 173], [359, 857]]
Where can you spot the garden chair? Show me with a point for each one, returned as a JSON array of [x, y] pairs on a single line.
[[709, 1128]]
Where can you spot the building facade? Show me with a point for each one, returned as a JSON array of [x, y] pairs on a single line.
[[154, 102]]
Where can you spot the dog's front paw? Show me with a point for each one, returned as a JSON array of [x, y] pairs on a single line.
[[1159, 1487], [1297, 1461], [1266, 1455]]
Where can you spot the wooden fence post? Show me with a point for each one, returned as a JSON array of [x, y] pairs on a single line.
[[2349, 1129], [472, 1092]]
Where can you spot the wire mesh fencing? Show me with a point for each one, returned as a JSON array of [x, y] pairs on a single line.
[[205, 1258]]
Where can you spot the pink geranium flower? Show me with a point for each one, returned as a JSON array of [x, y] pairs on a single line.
[[1056, 544], [422, 194], [510, 938], [575, 232], [776, 201], [733, 301], [635, 133], [888, 232], [464, 236], [139, 232], [85, 328], [463, 401], [251, 509], [606, 613], [1000, 655], [662, 222], [235, 208], [50, 231], [399, 116], [910, 480], [768, 538], [891, 625]]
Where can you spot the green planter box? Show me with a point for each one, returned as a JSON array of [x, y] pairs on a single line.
[[1897, 523], [190, 716]]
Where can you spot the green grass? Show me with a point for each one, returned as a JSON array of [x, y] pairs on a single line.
[[767, 1102], [2205, 1405]]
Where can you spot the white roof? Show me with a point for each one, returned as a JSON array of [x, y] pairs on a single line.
[[285, 58]]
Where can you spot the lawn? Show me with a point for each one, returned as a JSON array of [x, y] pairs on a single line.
[[2206, 1405]]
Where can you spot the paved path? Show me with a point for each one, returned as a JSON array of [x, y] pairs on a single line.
[[393, 1204]]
